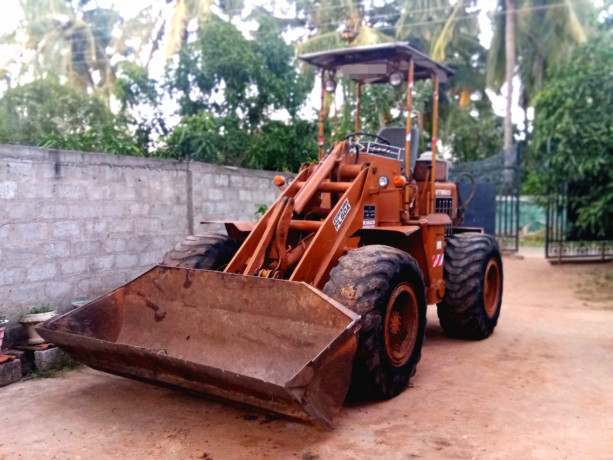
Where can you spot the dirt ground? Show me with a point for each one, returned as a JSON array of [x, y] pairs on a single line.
[[539, 388]]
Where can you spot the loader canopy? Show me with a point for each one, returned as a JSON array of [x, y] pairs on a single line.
[[375, 63]]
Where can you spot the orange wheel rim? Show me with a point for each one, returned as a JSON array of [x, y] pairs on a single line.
[[492, 287], [401, 324]]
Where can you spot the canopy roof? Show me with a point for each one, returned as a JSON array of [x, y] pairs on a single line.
[[375, 63]]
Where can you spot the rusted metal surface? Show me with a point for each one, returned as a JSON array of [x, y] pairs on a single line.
[[275, 344]]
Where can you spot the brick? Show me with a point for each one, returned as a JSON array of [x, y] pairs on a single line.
[[10, 372], [126, 260], [42, 272], [7, 190]]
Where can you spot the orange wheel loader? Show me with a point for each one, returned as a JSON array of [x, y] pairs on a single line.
[[327, 293]]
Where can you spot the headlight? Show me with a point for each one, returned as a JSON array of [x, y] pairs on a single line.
[[383, 181]]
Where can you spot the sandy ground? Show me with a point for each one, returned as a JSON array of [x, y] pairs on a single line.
[[539, 388]]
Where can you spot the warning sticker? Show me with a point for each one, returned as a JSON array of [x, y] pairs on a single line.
[[369, 216], [341, 214]]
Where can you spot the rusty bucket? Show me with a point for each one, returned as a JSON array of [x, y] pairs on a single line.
[[279, 345]]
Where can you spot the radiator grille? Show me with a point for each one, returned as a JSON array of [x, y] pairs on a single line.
[[444, 205]]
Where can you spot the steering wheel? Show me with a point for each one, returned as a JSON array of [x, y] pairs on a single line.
[[359, 134]]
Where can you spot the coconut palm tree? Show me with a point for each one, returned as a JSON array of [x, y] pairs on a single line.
[[529, 36]]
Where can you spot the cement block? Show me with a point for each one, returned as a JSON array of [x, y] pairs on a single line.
[[7, 190], [51, 358], [10, 276], [26, 358], [10, 372], [42, 272]]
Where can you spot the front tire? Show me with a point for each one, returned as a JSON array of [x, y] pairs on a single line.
[[385, 286], [473, 286], [210, 251]]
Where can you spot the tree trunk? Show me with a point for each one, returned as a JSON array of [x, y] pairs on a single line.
[[510, 69]]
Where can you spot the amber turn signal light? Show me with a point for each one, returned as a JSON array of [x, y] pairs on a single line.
[[279, 181], [399, 181]]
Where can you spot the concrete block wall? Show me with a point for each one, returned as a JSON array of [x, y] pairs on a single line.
[[75, 225]]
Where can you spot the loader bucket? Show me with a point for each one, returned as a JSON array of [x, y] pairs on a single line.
[[280, 345]]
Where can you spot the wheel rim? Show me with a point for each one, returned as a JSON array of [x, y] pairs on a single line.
[[491, 287], [401, 324]]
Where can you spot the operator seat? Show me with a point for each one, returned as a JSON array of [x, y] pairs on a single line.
[[396, 136]]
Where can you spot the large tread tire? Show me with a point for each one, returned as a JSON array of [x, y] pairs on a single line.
[[473, 286], [210, 251], [384, 285]]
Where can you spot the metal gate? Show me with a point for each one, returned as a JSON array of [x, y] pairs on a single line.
[[562, 240], [495, 206]]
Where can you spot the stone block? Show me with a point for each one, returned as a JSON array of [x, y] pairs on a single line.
[[10, 372], [51, 358]]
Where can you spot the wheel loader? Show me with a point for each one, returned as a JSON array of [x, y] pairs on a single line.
[[326, 294]]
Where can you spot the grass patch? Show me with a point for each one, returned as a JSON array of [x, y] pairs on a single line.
[[61, 372], [533, 240], [597, 284]]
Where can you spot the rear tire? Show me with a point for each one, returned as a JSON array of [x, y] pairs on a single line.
[[210, 251], [473, 286], [385, 286]]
